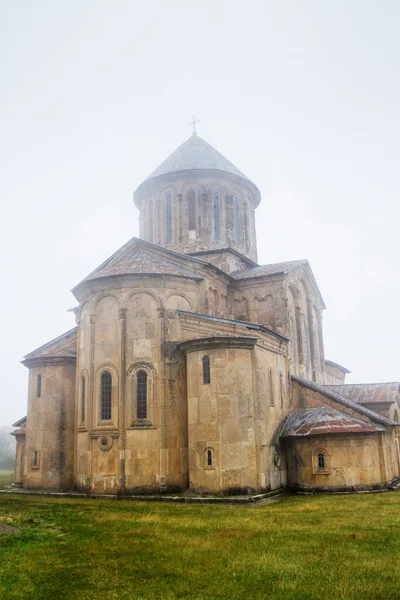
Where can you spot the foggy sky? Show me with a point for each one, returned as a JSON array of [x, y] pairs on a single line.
[[302, 96]]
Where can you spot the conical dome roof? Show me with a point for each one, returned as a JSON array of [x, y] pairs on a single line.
[[195, 153]]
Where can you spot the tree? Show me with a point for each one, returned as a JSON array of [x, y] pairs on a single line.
[[7, 449]]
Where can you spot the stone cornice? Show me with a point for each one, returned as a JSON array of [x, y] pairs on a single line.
[[218, 342], [246, 324], [49, 361]]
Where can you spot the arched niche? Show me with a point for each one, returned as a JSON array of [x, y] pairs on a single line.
[[173, 303], [106, 329], [142, 326], [265, 311]]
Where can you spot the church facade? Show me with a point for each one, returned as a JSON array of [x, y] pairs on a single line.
[[192, 367]]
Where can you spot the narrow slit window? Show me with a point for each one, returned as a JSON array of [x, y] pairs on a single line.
[[106, 394], [206, 370], [38, 386], [35, 459], [246, 223], [321, 461], [141, 395], [237, 220], [150, 220], [216, 216], [270, 389], [209, 457], [168, 218], [83, 398], [192, 210], [281, 389]]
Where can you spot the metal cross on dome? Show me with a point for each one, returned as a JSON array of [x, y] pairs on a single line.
[[193, 124]]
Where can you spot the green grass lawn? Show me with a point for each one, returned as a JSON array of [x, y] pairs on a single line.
[[6, 478], [301, 548]]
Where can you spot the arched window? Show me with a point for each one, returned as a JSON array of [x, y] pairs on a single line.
[[168, 218], [216, 215], [83, 399], [281, 389], [238, 225], [150, 220], [38, 386], [270, 388], [206, 369], [192, 210], [396, 416], [141, 395], [321, 461], [209, 457], [105, 399]]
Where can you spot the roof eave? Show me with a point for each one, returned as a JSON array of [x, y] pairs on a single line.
[[190, 174]]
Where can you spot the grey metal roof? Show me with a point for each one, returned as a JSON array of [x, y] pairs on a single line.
[[369, 393], [326, 391], [194, 154], [324, 420], [267, 270]]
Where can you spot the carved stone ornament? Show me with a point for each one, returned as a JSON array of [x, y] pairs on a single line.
[[105, 442]]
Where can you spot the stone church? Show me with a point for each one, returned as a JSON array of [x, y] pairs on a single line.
[[192, 367]]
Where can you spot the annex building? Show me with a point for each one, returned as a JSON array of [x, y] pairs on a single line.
[[193, 367]]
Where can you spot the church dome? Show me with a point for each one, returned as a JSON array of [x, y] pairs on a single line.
[[198, 201], [195, 153]]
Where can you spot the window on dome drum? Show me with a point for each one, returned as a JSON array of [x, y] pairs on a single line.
[[206, 369], [168, 218], [246, 223], [38, 386], [270, 389], [106, 393], [141, 395], [237, 220], [216, 216], [321, 461], [83, 394], [150, 220], [192, 210]]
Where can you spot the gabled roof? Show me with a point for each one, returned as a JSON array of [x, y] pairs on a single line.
[[324, 420], [20, 422], [196, 154], [138, 257], [267, 270], [330, 363], [324, 390], [63, 346], [369, 393], [247, 324], [282, 268]]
